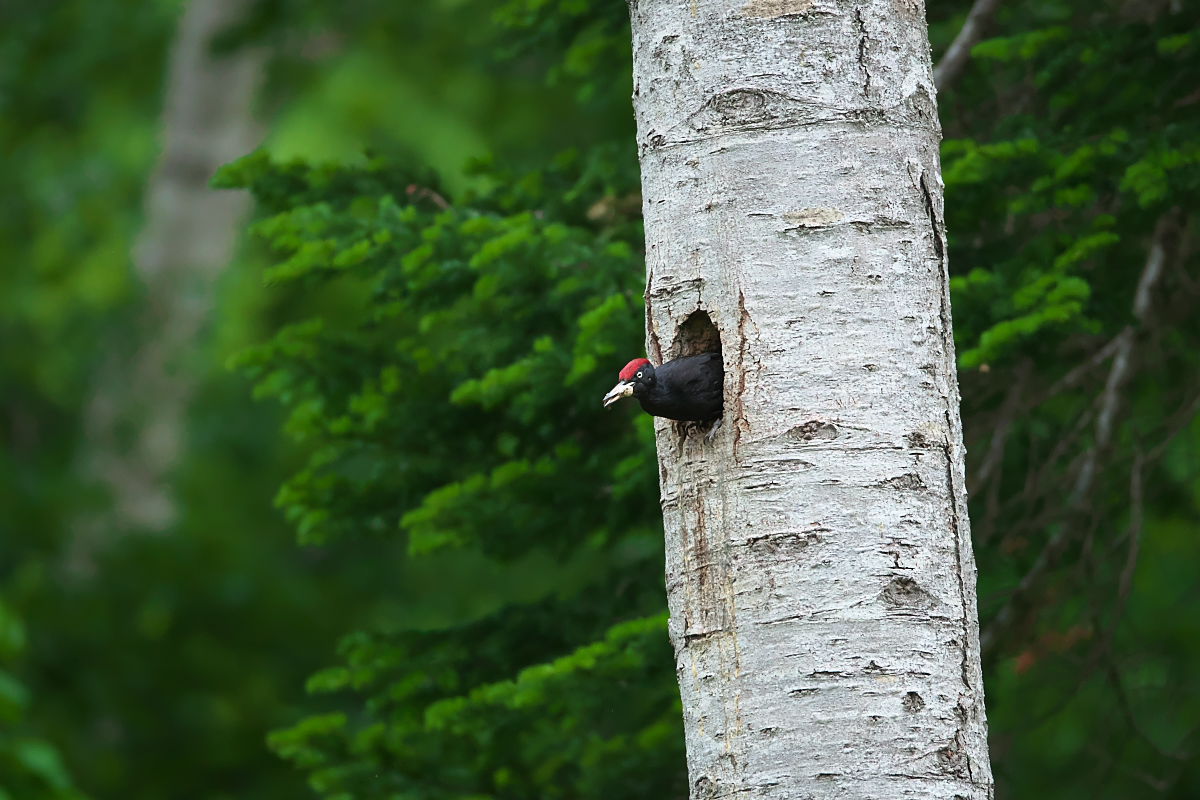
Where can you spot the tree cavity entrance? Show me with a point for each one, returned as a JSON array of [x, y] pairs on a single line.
[[696, 334]]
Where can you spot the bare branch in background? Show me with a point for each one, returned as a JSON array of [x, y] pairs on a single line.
[[1136, 518], [959, 52], [1178, 422], [1122, 366], [1076, 375], [1110, 403], [1007, 415]]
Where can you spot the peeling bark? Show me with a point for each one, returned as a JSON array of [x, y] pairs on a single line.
[[820, 574]]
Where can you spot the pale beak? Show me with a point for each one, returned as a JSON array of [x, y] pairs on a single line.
[[622, 389]]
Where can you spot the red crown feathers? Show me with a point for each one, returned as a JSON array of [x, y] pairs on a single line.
[[631, 368]]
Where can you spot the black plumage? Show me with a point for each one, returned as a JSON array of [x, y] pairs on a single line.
[[686, 389]]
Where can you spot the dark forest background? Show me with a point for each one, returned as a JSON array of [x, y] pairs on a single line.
[[314, 496]]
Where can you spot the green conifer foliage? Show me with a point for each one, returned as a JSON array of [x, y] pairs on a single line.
[[451, 402], [451, 397], [1070, 157]]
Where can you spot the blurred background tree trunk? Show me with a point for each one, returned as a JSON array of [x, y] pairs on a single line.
[[820, 573], [135, 420]]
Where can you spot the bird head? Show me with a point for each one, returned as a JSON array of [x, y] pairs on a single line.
[[636, 376]]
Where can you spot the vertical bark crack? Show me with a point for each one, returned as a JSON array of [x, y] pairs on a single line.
[[739, 417], [937, 230], [862, 50], [939, 245], [653, 346]]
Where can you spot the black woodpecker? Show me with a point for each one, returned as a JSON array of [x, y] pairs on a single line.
[[686, 389]]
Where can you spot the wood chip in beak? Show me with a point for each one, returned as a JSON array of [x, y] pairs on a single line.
[[622, 389]]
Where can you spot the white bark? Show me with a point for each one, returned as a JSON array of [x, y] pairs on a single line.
[[188, 238], [819, 566]]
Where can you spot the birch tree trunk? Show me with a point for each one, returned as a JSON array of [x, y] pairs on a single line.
[[188, 238], [819, 567]]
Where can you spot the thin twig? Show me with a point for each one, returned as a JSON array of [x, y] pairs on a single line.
[[425, 193], [1126, 708], [1180, 420], [1136, 519], [1076, 374], [1007, 415], [1110, 403]]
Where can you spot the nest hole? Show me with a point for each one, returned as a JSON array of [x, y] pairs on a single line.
[[696, 335]]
